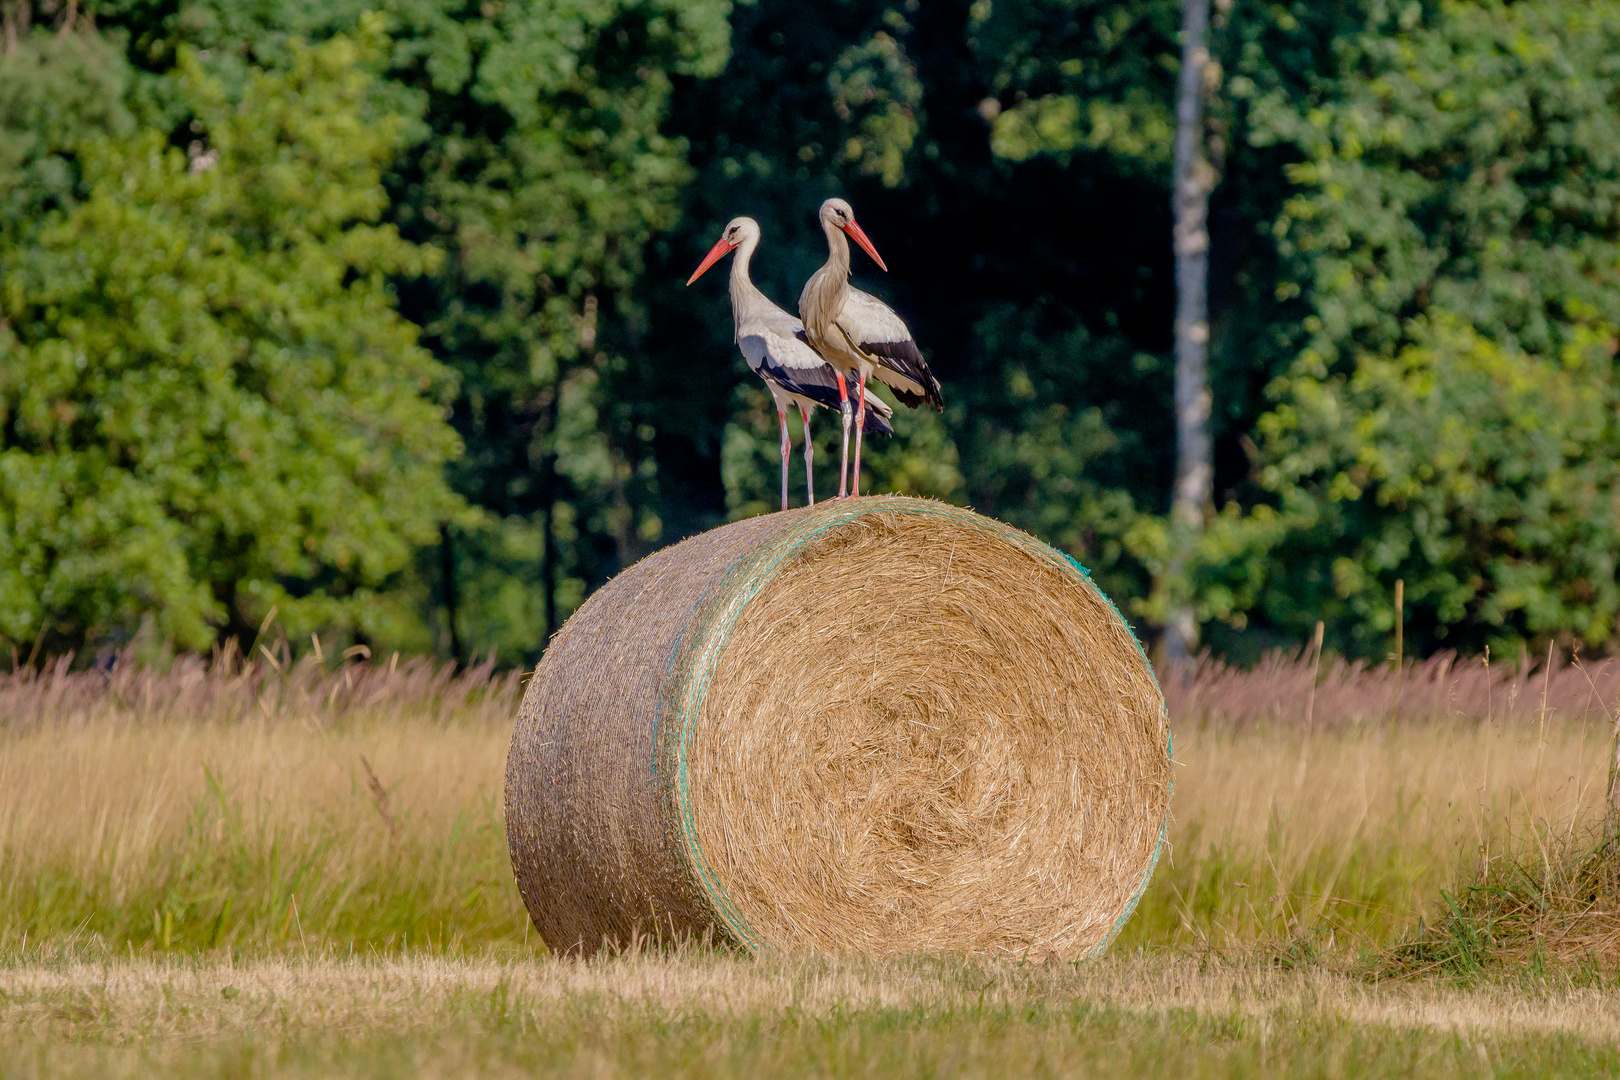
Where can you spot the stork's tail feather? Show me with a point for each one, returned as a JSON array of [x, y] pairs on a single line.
[[876, 422], [934, 399]]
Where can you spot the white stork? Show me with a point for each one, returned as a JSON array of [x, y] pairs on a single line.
[[860, 335], [774, 344]]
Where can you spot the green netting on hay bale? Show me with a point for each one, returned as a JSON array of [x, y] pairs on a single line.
[[876, 726]]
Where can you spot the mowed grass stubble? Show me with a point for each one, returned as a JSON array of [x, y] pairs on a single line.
[[707, 1015]]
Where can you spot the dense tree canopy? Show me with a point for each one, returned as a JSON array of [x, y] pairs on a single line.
[[1454, 230], [528, 159], [232, 325], [210, 406]]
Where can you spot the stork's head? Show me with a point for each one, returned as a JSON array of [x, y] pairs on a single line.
[[739, 230], [836, 214]]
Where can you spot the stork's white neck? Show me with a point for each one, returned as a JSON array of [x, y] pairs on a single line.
[[825, 292], [745, 296], [837, 254]]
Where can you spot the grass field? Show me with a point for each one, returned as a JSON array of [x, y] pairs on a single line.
[[728, 1017], [301, 870]]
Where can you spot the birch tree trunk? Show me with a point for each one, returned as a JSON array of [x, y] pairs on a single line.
[[1194, 179], [17, 15]]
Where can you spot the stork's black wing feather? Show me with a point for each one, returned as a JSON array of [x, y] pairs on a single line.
[[799, 369], [877, 331], [904, 358]]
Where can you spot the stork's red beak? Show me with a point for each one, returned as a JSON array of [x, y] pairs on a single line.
[[859, 234], [716, 253]]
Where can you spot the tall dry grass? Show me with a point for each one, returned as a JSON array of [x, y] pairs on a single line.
[[1338, 802], [315, 807], [1340, 838], [256, 806]]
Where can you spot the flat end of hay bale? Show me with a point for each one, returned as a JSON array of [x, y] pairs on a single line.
[[880, 726]]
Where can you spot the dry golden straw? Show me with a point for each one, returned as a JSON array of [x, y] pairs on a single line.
[[879, 726]]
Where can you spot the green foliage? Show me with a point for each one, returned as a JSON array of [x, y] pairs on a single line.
[[1083, 76], [876, 93], [57, 92], [1448, 420], [1406, 188], [530, 157], [1043, 457], [209, 405], [542, 173], [1468, 164], [1482, 476], [1433, 192], [540, 156]]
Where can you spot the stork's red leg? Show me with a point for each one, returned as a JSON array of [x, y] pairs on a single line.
[[860, 425], [787, 448], [844, 412], [809, 459]]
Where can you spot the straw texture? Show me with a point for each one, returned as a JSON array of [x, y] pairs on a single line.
[[875, 726]]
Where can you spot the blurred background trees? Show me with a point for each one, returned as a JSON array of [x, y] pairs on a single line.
[[371, 311]]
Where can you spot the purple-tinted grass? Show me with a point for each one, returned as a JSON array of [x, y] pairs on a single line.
[[225, 688], [1278, 690]]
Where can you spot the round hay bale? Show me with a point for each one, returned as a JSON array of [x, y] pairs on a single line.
[[876, 726]]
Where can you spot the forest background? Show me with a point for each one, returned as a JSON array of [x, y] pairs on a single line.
[[365, 319]]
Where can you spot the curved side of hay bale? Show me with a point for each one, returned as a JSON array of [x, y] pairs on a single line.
[[586, 818], [879, 725]]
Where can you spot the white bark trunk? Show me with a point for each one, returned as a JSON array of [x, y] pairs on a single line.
[[1195, 472], [18, 14]]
